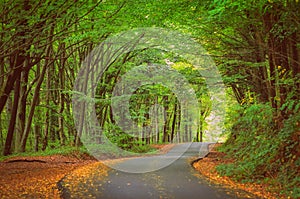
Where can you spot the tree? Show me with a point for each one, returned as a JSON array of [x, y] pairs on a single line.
[[29, 44]]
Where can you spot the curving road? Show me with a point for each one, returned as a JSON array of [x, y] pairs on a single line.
[[176, 181]]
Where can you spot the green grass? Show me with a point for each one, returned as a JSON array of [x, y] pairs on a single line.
[[78, 152], [67, 151]]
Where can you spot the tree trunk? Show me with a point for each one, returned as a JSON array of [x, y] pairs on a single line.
[[1, 133], [295, 60], [268, 20], [178, 124], [37, 129], [61, 96], [17, 64], [47, 115], [21, 116], [11, 127], [32, 108], [174, 122]]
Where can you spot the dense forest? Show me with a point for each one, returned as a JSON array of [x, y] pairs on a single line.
[[254, 44]]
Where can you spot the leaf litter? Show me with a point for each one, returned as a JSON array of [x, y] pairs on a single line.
[[207, 168], [37, 177]]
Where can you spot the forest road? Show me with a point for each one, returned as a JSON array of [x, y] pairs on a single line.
[[178, 180]]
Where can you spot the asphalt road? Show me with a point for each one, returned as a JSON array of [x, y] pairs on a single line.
[[150, 177]]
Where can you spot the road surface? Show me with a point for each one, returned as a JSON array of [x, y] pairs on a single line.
[[138, 178]]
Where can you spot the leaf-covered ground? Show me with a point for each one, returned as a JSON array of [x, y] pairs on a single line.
[[207, 167], [36, 177]]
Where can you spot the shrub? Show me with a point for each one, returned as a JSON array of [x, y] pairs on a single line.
[[262, 150]]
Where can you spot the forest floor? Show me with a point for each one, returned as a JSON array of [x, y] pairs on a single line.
[[207, 168], [37, 176]]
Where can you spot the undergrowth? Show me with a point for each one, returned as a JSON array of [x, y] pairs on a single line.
[[265, 149], [66, 150]]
